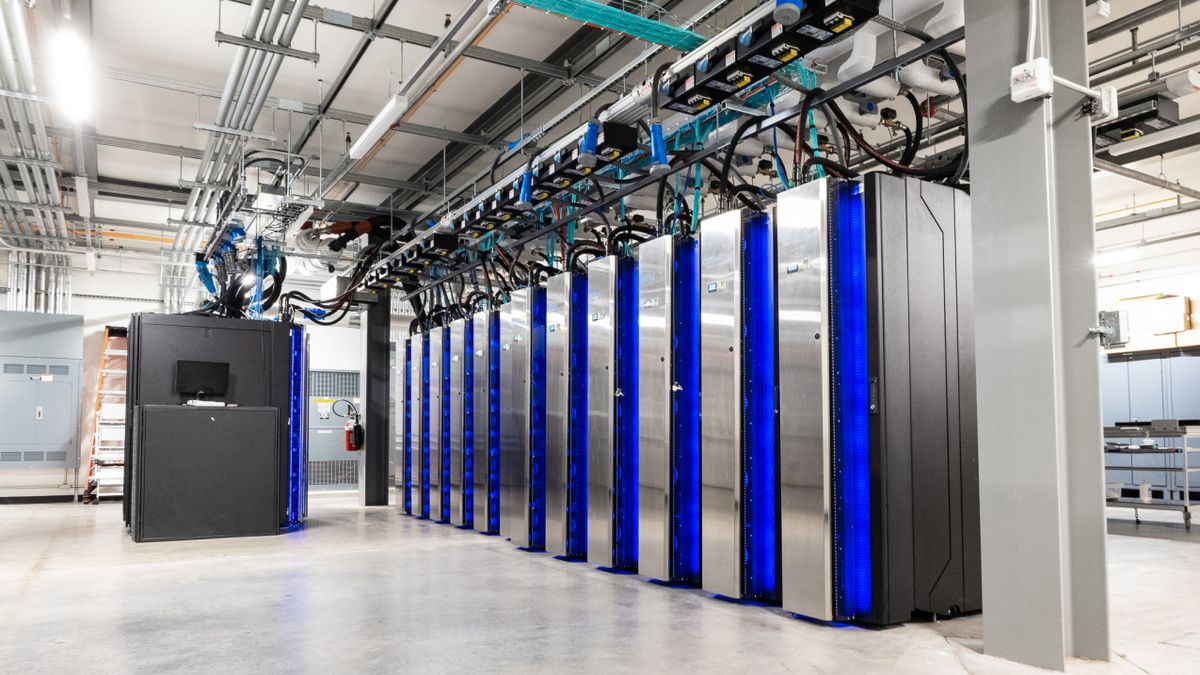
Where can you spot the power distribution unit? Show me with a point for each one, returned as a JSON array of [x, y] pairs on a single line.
[[486, 421], [669, 410], [523, 418], [566, 415], [420, 425], [877, 415], [739, 463], [612, 529], [439, 423]]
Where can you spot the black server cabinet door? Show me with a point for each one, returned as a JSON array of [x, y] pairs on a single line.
[[924, 442]]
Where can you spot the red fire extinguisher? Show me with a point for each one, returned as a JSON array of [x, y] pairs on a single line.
[[354, 430]]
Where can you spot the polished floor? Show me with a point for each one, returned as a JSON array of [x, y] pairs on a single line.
[[372, 591]]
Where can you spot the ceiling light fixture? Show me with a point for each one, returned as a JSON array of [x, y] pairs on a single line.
[[389, 115], [1116, 256], [72, 75]]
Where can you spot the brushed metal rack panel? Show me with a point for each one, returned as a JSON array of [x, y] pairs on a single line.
[[420, 411], [404, 418], [558, 410], [486, 422], [655, 261], [802, 235], [601, 409], [721, 382], [439, 502], [514, 418], [457, 412]]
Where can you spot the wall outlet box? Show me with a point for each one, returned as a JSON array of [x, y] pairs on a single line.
[[1106, 107], [1032, 80]]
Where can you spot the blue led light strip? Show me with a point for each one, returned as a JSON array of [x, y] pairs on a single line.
[[851, 442], [760, 497], [685, 414], [577, 438], [468, 422], [493, 497], [297, 507], [537, 420], [425, 425], [408, 432], [625, 439], [444, 469]]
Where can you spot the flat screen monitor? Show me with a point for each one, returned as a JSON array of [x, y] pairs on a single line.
[[201, 378]]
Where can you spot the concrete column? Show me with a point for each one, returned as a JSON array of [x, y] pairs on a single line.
[[1045, 591], [373, 467]]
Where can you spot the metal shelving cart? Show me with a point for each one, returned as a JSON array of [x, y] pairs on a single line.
[[1176, 442]]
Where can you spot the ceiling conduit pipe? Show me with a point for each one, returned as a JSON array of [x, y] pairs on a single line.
[[250, 101], [48, 190], [254, 109], [237, 71], [8, 76], [227, 147], [41, 189], [245, 115]]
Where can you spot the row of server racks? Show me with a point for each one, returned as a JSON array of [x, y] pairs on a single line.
[[779, 409]]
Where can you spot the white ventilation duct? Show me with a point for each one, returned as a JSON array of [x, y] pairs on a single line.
[[863, 57], [950, 17], [923, 78]]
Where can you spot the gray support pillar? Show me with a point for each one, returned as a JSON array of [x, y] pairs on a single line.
[[373, 466], [1045, 592]]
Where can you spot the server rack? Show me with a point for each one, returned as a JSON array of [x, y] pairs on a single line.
[[802, 229], [458, 428], [522, 424], [420, 410], [739, 497], [669, 411], [486, 421], [612, 529], [566, 415], [439, 424], [879, 466], [406, 394]]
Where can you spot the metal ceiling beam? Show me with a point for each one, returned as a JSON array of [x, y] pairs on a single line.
[[1165, 47], [196, 153], [274, 102], [343, 76], [1145, 178], [330, 17], [1136, 18], [1152, 214], [587, 47]]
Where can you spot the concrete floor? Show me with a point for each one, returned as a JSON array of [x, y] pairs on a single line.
[[369, 590]]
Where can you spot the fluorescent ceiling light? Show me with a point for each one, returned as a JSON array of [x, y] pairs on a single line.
[[1156, 138], [395, 107], [1116, 256], [71, 74]]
